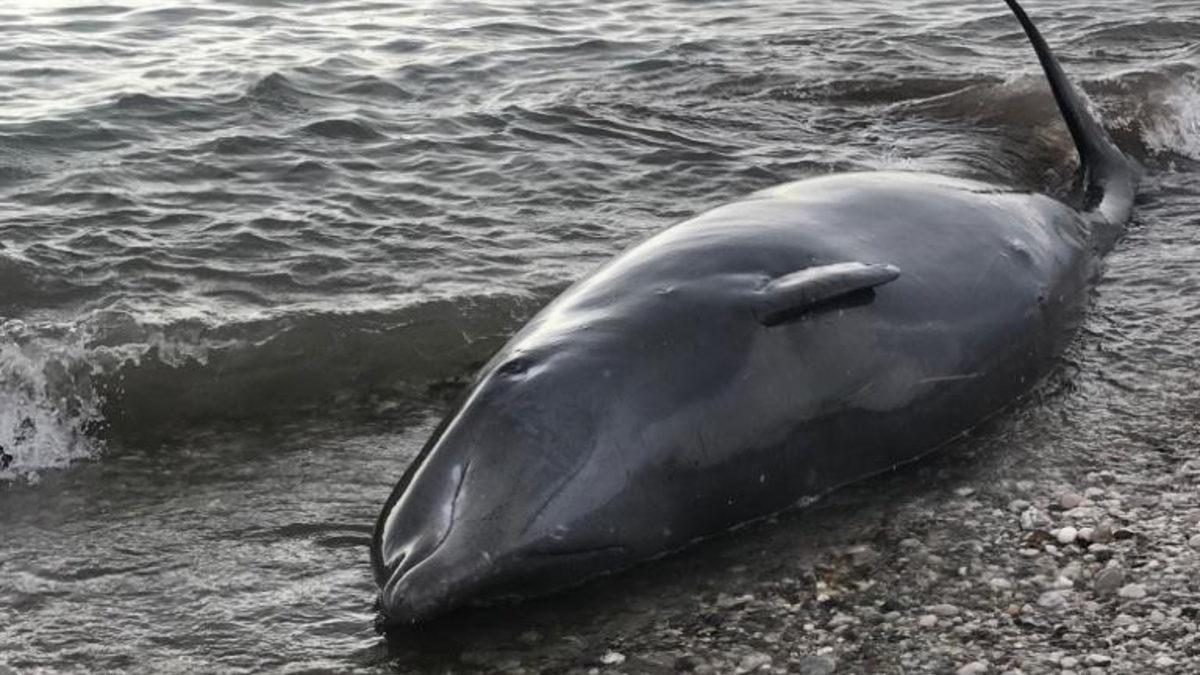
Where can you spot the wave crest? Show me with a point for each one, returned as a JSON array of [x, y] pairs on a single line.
[[50, 409]]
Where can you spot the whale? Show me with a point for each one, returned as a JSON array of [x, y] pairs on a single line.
[[746, 361]]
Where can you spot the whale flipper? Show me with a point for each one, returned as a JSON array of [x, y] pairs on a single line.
[[793, 294]]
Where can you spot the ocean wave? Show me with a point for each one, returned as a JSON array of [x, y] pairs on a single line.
[[65, 389]]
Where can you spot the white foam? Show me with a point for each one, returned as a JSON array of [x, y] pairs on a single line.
[[50, 404], [1178, 131], [47, 401]]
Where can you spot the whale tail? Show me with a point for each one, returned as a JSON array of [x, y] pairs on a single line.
[[1109, 177]]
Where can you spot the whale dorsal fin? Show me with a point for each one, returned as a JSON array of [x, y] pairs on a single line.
[[790, 295]]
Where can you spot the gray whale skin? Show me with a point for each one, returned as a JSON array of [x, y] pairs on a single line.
[[761, 353]]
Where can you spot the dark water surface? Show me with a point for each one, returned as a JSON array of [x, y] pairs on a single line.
[[248, 247]]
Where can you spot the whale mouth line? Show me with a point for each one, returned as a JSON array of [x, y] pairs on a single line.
[[590, 551], [398, 569], [458, 490]]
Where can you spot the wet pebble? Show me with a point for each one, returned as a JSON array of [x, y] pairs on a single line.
[[1108, 581], [944, 610], [1070, 500], [753, 662], [1052, 599], [612, 658], [815, 665], [1132, 591], [1033, 519], [973, 668]]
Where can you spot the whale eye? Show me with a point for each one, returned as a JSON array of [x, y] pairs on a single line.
[[517, 366]]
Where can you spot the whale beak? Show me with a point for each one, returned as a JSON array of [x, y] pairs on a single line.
[[468, 524], [422, 590], [450, 577], [413, 546]]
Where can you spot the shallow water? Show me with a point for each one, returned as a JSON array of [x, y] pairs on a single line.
[[248, 249]]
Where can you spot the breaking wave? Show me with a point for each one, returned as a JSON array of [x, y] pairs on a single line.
[[64, 389]]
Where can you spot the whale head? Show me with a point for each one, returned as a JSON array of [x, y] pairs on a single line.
[[543, 475]]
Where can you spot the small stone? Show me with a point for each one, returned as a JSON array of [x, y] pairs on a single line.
[[1018, 505], [753, 662], [1164, 661], [1132, 591], [815, 665], [840, 619], [1033, 519], [1000, 584], [1087, 534], [686, 663], [1072, 571], [1194, 542], [1052, 599], [1097, 660], [973, 668], [944, 610], [1108, 580], [725, 601], [1104, 533], [965, 491], [1066, 535], [863, 556], [612, 658], [927, 621], [1070, 501], [1068, 662]]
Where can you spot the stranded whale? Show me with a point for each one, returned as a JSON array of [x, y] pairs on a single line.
[[760, 353]]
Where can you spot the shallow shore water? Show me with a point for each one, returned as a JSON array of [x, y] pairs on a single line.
[[250, 249]]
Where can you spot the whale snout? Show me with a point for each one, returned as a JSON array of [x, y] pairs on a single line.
[[454, 575], [423, 588], [437, 554], [467, 524]]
